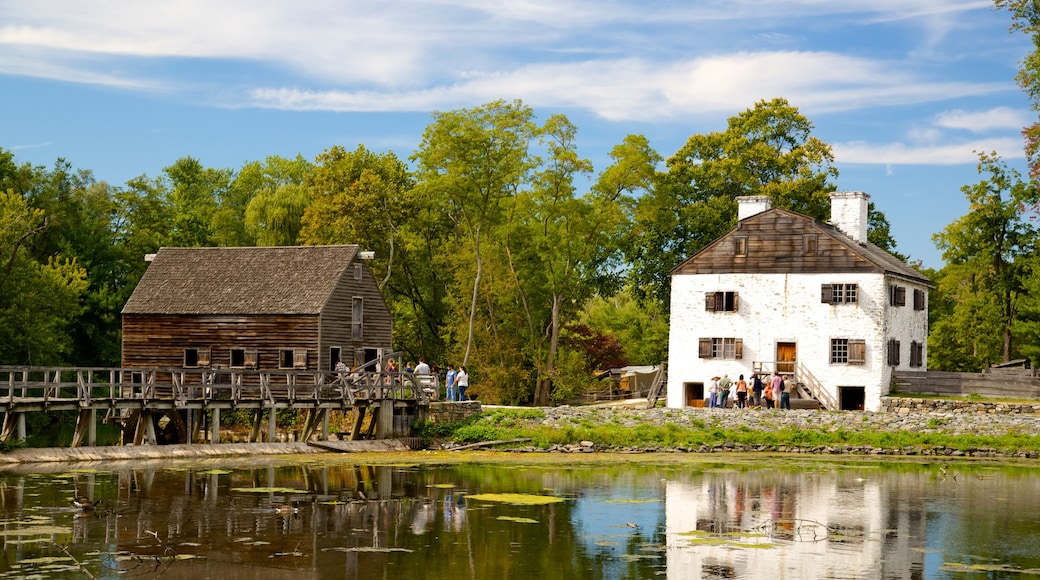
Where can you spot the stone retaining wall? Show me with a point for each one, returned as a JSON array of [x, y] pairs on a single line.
[[445, 412], [904, 405]]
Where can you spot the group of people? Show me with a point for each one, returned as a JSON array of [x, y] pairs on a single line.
[[773, 393], [456, 381]]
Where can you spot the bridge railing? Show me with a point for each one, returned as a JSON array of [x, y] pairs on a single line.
[[88, 386]]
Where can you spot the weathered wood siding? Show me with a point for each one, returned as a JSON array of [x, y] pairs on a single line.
[[1016, 385], [336, 317], [160, 340]]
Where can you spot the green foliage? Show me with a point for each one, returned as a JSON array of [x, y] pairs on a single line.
[[987, 254]]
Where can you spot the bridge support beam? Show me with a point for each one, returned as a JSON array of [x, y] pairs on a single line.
[[215, 427], [86, 428]]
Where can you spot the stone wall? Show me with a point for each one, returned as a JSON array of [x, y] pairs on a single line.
[[901, 405], [441, 413]]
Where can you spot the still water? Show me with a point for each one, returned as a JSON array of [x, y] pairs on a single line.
[[320, 517]]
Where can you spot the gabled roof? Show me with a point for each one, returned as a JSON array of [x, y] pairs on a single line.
[[775, 243], [238, 281]]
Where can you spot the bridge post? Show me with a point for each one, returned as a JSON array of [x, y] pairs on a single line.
[[272, 425], [215, 435]]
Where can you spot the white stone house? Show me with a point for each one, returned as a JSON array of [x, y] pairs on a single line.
[[782, 291]]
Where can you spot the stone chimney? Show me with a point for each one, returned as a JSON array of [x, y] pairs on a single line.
[[749, 205], [849, 214]]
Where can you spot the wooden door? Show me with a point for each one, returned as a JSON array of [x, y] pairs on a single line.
[[786, 357]]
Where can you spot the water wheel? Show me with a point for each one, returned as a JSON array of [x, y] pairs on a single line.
[[169, 425]]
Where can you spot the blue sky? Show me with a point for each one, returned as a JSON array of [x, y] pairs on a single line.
[[903, 90]]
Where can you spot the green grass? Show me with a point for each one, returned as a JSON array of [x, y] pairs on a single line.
[[502, 425]]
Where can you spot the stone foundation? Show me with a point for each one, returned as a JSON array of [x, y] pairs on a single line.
[[905, 406], [441, 413]]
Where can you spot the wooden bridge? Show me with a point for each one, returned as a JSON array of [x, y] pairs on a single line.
[[183, 405]]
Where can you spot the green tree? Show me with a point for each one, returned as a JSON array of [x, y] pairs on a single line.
[[265, 203], [986, 251], [468, 163], [38, 301], [767, 150], [1025, 18]]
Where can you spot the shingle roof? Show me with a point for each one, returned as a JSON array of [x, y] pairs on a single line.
[[255, 280]]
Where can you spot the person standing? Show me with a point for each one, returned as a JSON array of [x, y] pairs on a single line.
[[462, 382], [774, 386], [724, 386], [756, 390], [741, 393], [713, 393], [449, 383], [422, 368], [785, 395]]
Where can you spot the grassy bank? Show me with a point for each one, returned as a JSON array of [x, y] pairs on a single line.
[[607, 432]]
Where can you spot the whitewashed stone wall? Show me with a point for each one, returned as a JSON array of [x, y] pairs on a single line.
[[775, 308]]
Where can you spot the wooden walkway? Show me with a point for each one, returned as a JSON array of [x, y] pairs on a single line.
[[165, 405]]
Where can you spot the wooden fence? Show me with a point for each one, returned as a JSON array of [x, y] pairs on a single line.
[[993, 383]]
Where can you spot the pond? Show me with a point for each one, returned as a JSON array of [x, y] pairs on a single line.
[[616, 517]]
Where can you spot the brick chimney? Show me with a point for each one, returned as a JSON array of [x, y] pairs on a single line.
[[749, 205], [849, 214]]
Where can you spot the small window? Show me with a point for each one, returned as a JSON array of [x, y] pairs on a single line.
[[848, 351], [196, 357], [839, 293], [916, 354], [252, 359], [896, 295], [358, 272], [357, 318], [893, 352], [740, 245], [919, 299], [811, 244], [724, 348], [721, 301], [285, 358], [238, 358]]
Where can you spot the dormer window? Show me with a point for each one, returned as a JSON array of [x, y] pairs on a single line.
[[740, 245]]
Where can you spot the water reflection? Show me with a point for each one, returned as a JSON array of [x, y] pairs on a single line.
[[787, 519]]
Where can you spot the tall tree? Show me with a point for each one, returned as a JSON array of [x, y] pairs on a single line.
[[1025, 18], [767, 150], [986, 251], [471, 160]]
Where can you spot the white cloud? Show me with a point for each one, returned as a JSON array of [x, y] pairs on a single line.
[[982, 121], [890, 154]]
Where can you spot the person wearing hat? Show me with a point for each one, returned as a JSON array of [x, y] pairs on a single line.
[[713, 393]]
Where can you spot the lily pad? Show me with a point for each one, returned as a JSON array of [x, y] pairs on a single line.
[[516, 498], [517, 520]]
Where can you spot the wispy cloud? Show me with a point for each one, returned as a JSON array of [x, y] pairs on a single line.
[[958, 153], [982, 121]]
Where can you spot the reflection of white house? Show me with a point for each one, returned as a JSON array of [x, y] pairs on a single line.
[[815, 301], [766, 524]]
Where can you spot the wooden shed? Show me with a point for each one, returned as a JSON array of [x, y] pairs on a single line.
[[303, 308]]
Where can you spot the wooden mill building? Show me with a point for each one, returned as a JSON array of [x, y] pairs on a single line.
[[263, 308]]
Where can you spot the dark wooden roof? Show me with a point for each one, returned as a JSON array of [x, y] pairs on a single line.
[[777, 244], [238, 281]]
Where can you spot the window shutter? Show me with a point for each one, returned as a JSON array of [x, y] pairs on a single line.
[[918, 299], [857, 351], [204, 357], [709, 301], [738, 349], [299, 356], [251, 359], [704, 348], [893, 352], [736, 303], [827, 293]]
